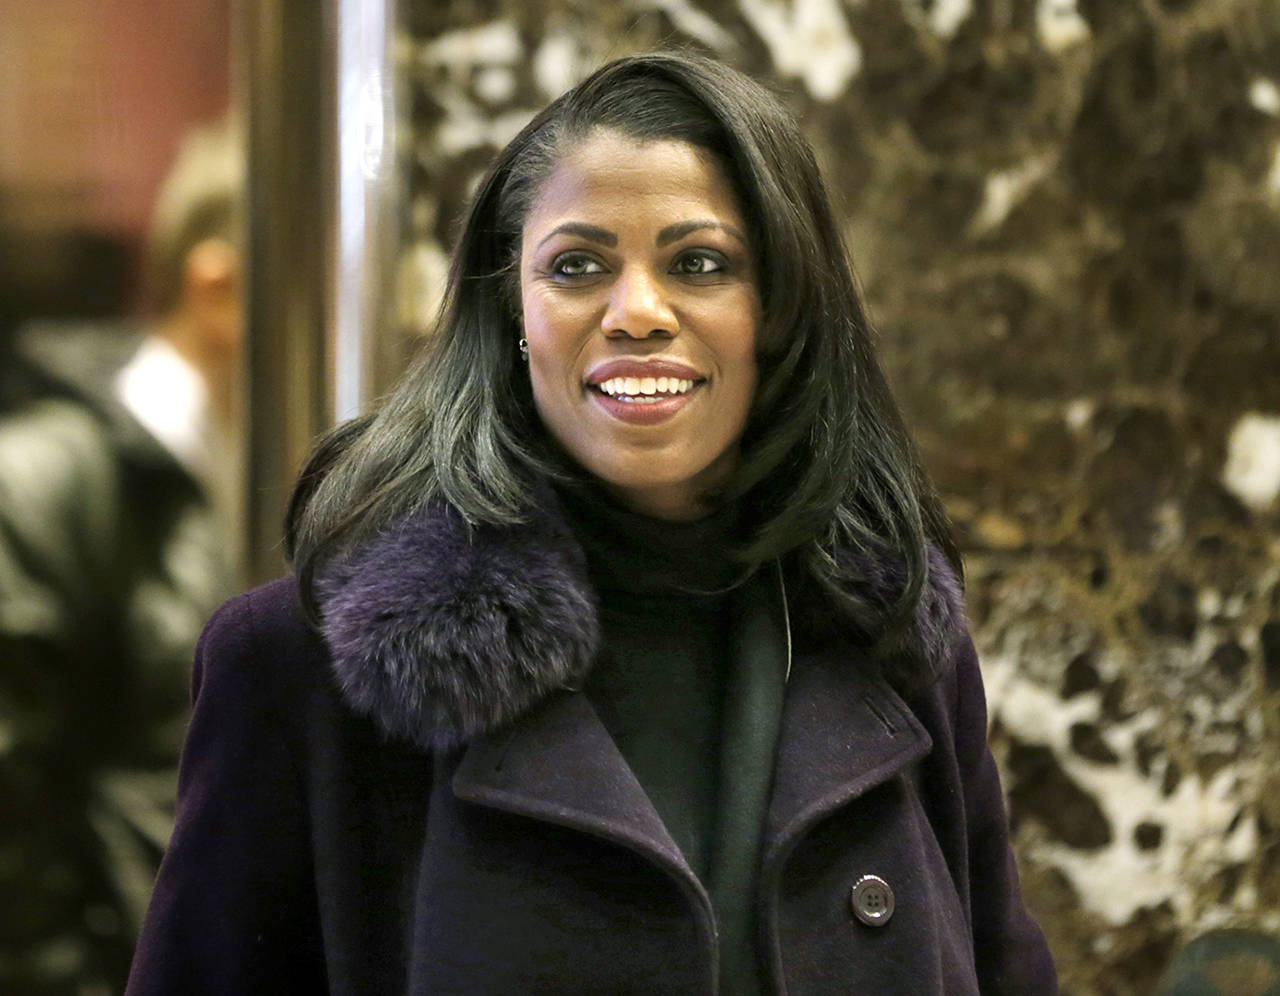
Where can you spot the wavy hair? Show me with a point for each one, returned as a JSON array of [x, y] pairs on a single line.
[[826, 466]]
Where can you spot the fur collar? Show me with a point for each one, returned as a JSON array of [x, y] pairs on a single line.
[[442, 632]]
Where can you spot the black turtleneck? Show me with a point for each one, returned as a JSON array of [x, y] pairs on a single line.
[[689, 683]]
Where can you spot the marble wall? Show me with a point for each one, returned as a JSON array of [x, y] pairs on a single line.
[[1066, 218]]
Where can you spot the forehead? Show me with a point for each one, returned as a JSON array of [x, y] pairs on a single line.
[[611, 176]]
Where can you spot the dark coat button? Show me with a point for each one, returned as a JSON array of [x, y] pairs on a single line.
[[872, 900]]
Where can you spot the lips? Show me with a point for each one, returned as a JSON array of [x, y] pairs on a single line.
[[640, 370], [643, 392]]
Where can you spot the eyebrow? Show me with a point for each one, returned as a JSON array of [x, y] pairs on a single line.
[[672, 233], [581, 229]]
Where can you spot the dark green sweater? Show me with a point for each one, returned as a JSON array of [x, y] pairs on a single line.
[[689, 683]]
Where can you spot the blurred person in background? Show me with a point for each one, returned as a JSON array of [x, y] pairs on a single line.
[[118, 485]]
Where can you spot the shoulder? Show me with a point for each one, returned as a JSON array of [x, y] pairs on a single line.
[[52, 444], [441, 630], [261, 636], [951, 706], [60, 490], [270, 612]]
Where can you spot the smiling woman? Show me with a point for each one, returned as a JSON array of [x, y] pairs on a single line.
[[640, 309], [626, 650]]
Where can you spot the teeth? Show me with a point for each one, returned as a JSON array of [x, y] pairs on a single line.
[[644, 388]]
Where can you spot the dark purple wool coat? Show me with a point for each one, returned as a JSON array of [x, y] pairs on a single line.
[[419, 802]]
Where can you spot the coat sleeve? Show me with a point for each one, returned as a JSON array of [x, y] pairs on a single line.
[[1010, 951], [233, 910]]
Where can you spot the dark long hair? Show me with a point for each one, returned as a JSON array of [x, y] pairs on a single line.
[[826, 464]]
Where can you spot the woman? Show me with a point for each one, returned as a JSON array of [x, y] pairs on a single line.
[[640, 663]]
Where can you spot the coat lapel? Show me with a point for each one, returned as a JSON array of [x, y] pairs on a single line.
[[558, 764], [843, 732]]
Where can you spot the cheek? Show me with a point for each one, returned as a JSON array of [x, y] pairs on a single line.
[[739, 349], [557, 331], [747, 379], [542, 318], [552, 377], [547, 348]]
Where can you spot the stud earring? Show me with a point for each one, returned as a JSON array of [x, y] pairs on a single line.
[[524, 349]]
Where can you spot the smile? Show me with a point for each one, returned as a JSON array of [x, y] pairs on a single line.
[[644, 390]]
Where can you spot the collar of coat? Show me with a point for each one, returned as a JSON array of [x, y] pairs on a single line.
[[442, 632]]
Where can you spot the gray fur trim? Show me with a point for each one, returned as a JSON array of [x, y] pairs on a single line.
[[937, 628], [441, 632]]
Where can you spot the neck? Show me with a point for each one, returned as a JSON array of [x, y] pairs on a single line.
[[630, 551], [669, 505]]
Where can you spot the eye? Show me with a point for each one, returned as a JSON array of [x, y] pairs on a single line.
[[699, 263], [570, 265]]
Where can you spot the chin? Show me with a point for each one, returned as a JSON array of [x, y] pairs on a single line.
[[674, 496]]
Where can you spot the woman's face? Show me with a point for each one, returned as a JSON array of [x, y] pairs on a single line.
[[641, 310]]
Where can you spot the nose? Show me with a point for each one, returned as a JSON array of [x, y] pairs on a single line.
[[638, 306]]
